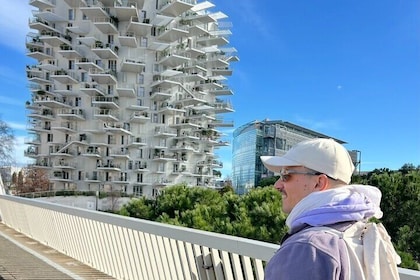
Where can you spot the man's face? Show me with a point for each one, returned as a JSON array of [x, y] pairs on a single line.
[[295, 185]]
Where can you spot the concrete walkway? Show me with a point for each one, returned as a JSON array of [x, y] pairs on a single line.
[[24, 258]]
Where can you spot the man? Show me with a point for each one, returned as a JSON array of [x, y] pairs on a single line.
[[314, 183]]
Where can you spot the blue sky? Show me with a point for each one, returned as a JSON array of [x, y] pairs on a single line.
[[347, 69]]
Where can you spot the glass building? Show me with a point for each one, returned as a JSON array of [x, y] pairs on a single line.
[[265, 138]]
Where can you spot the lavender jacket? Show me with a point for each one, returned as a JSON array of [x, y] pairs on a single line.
[[310, 254], [317, 255]]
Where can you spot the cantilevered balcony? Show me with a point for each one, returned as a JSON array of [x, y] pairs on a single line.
[[93, 177], [94, 9], [32, 140], [125, 10], [162, 83], [223, 106], [92, 151], [38, 126], [221, 91], [158, 95], [41, 25], [219, 122], [62, 150], [109, 166], [71, 114], [171, 109], [175, 7], [135, 65], [140, 167], [62, 176], [126, 90], [197, 30], [139, 27], [105, 51], [106, 76], [68, 52], [171, 34], [225, 71], [211, 84], [119, 153], [40, 53], [140, 117], [42, 4], [79, 28], [138, 106], [54, 38], [65, 77], [212, 40], [39, 79], [65, 127], [49, 15], [137, 142], [52, 101], [185, 124], [49, 65], [43, 114], [64, 164], [93, 89], [173, 59], [118, 128], [32, 152], [128, 39], [107, 25], [164, 132], [87, 64], [106, 102], [76, 3], [190, 99], [106, 115]]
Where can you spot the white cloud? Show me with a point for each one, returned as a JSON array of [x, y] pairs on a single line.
[[10, 101], [14, 17], [17, 126]]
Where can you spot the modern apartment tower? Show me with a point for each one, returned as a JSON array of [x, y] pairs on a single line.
[[128, 95], [266, 138]]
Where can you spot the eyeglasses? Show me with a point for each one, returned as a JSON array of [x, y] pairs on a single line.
[[285, 174]]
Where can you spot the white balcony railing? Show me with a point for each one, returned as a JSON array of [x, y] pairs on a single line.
[[128, 248]]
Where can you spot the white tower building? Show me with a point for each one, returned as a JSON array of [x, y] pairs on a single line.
[[127, 94]]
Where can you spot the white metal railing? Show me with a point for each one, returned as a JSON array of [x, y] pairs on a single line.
[[128, 248]]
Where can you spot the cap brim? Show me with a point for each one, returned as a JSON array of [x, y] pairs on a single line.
[[275, 163]]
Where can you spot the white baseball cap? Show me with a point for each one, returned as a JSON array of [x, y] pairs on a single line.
[[319, 154]]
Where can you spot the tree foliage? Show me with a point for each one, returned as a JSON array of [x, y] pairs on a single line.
[[7, 144], [256, 215]]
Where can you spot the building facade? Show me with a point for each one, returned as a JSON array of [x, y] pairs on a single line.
[[127, 95], [265, 138]]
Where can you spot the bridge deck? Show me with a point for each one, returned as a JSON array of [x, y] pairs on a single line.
[[24, 258]]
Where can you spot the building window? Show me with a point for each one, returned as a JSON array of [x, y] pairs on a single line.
[[71, 14], [49, 137], [71, 64], [140, 92], [138, 190], [141, 79]]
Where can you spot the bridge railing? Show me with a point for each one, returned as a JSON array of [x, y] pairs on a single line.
[[128, 248]]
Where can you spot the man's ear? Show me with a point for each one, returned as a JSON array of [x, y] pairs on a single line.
[[323, 183]]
